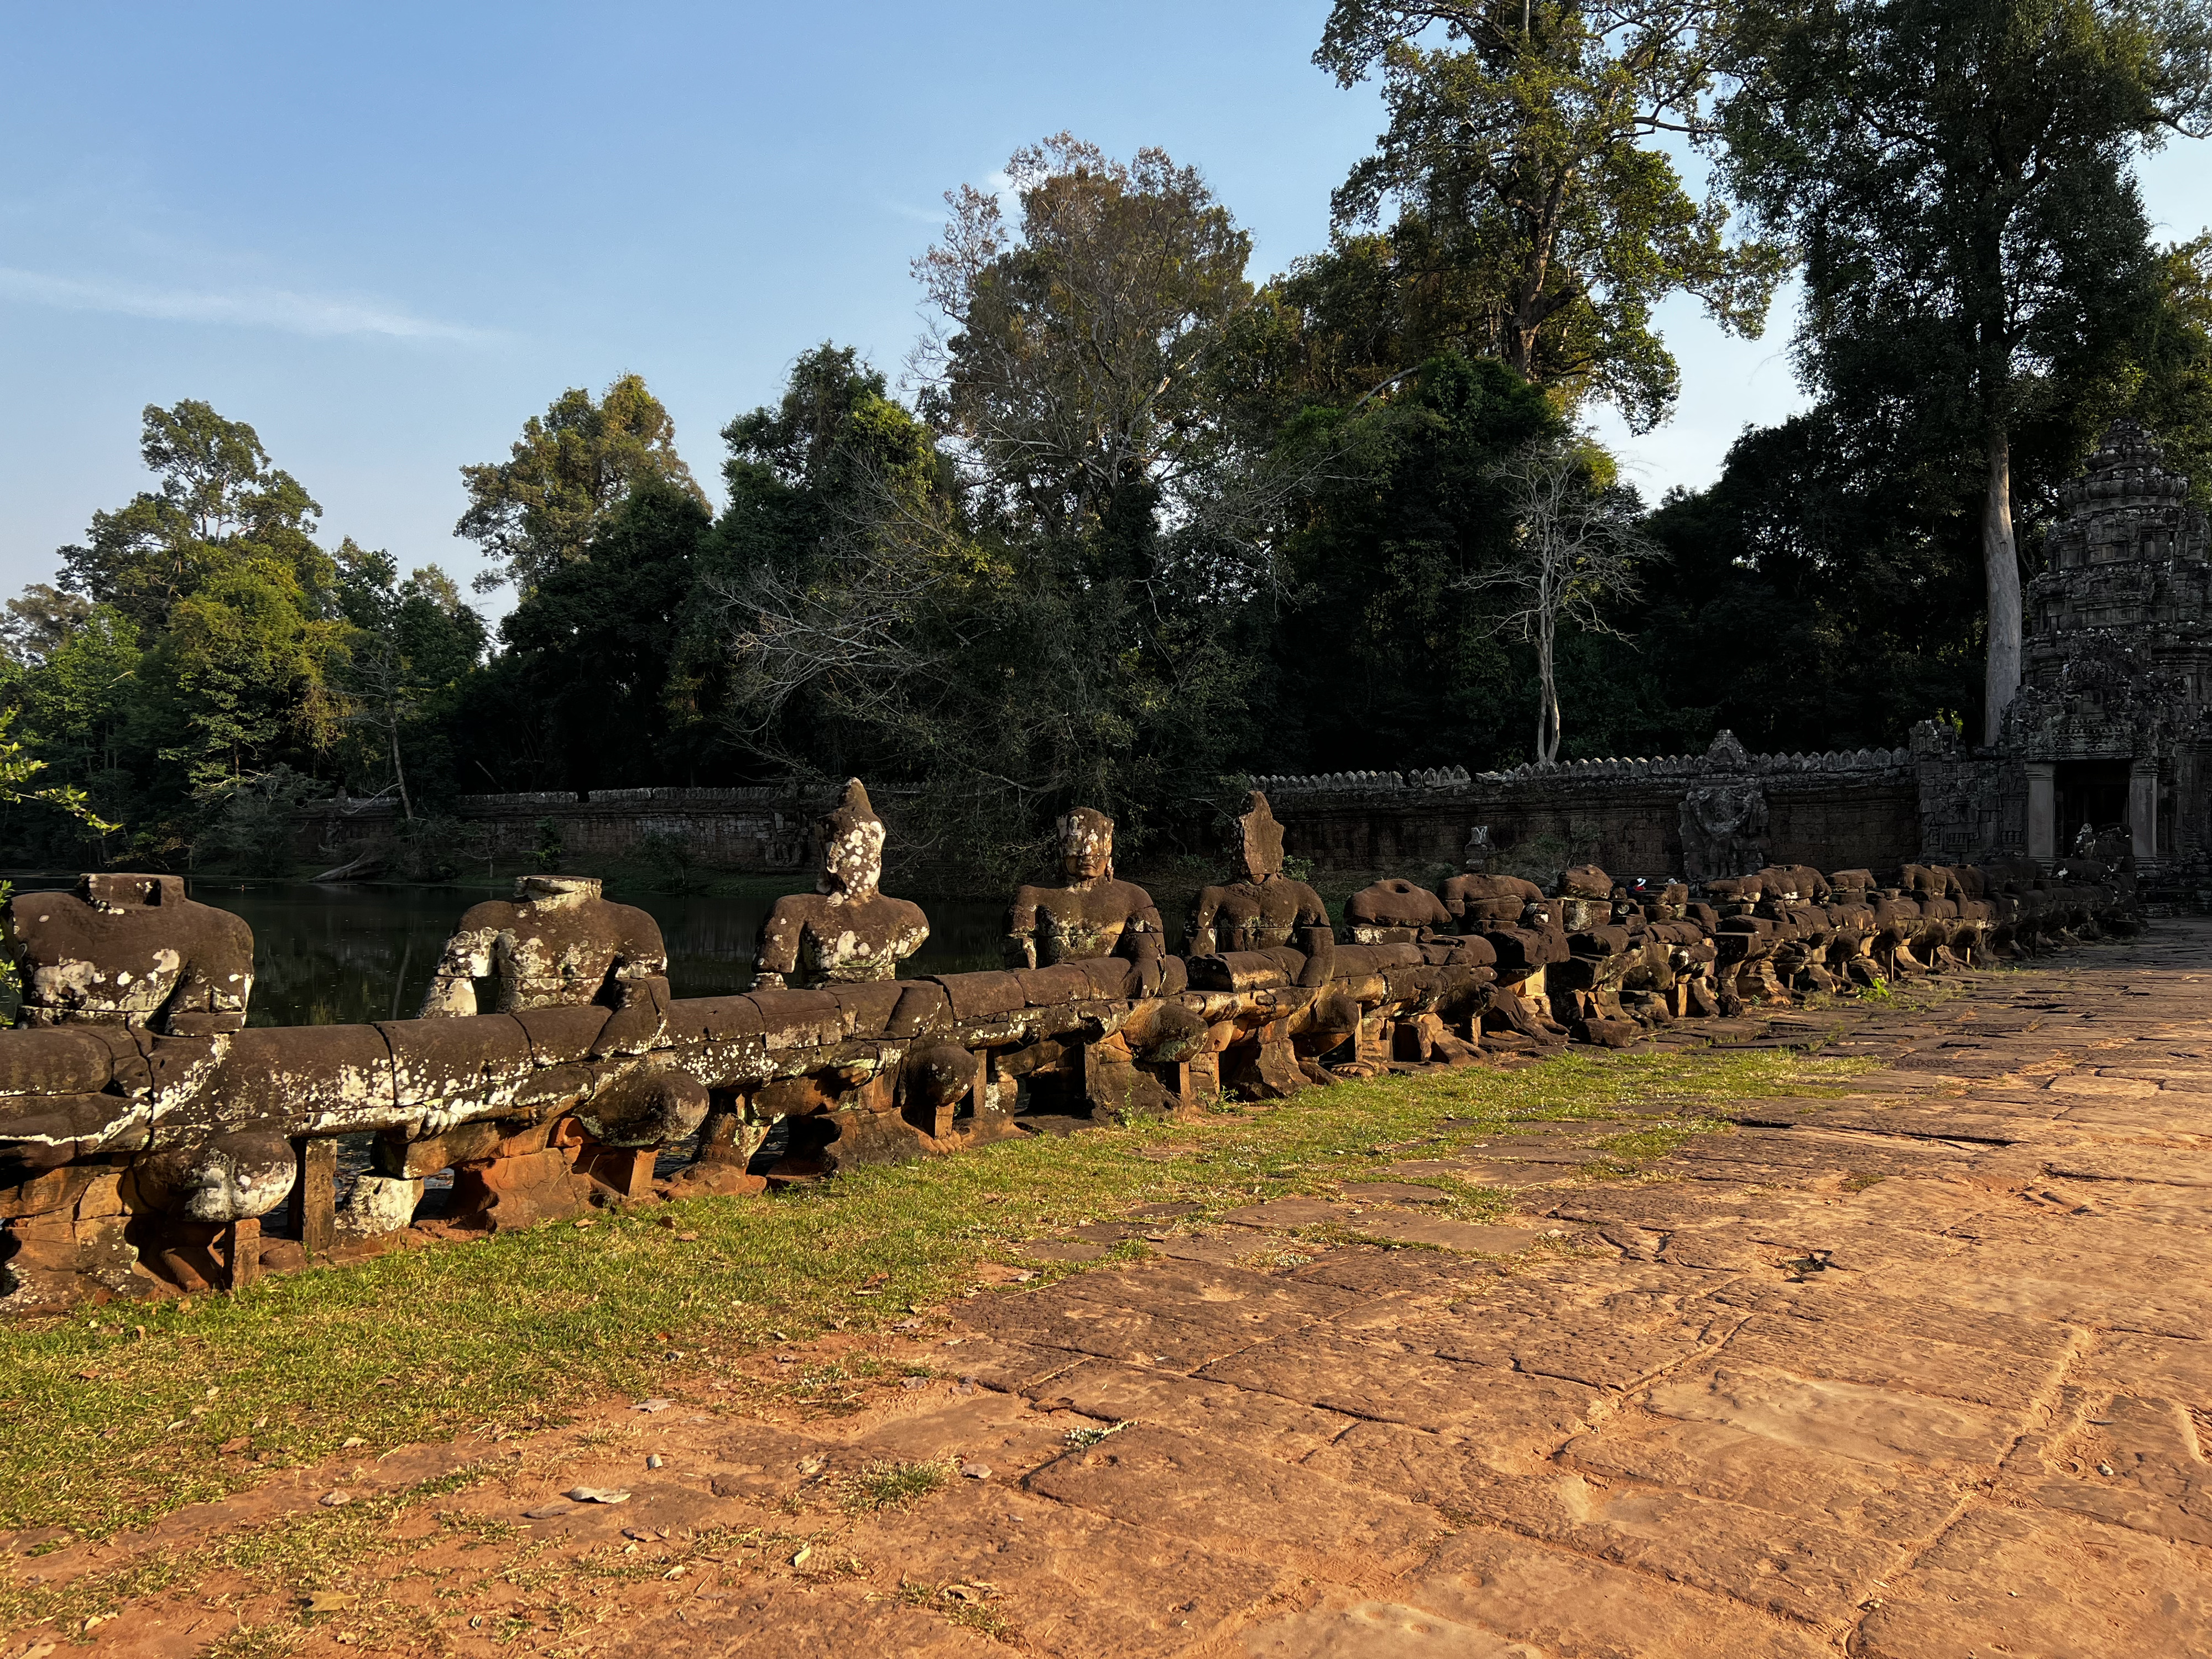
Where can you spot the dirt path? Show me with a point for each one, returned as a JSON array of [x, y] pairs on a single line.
[[1921, 1374]]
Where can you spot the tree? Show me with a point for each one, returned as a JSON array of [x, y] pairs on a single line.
[[1537, 220], [1576, 548], [1058, 618], [538, 509], [1955, 176], [1071, 358], [39, 619], [413, 641], [218, 500], [593, 646]]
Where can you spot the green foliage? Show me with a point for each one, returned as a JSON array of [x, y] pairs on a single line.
[[1957, 178], [550, 846], [672, 859], [254, 833], [1538, 222], [538, 510]]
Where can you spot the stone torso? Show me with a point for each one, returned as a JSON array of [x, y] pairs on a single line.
[[1247, 916], [1073, 924], [545, 956], [819, 938], [169, 966], [1395, 911]]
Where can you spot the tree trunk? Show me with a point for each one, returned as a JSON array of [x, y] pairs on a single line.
[[406, 808], [2001, 570], [1547, 707]]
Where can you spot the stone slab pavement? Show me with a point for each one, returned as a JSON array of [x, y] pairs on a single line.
[[1920, 1373]]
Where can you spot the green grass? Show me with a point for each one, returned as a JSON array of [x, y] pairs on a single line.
[[119, 1412], [885, 1485]]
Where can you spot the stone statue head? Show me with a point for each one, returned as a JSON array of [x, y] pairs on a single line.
[[556, 892], [1475, 859], [1259, 849], [1086, 845], [852, 845]]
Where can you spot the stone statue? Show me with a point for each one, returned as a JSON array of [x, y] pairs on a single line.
[[1723, 829], [556, 944], [1093, 916], [1267, 907], [130, 950], [845, 930], [1395, 911]]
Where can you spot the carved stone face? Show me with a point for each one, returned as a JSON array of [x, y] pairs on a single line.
[[1260, 853], [1476, 859], [851, 847], [1086, 845]]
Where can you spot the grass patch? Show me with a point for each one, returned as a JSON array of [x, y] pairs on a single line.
[[883, 1484], [507, 1336]]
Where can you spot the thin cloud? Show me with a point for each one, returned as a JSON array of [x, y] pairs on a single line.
[[279, 309]]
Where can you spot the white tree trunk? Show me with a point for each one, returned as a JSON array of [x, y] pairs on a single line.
[[2001, 570], [1547, 710]]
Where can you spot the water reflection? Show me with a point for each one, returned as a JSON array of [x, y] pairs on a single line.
[[326, 956]]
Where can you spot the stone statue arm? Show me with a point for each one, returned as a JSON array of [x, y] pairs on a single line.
[[1144, 941], [1198, 929], [641, 952], [215, 981], [776, 958], [1316, 937], [468, 958], [1021, 929], [1453, 899]]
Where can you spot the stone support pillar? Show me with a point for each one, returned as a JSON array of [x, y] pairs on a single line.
[[2042, 811], [2143, 807]]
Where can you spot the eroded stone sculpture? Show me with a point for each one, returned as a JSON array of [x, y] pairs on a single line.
[[130, 950], [556, 943], [846, 931], [1395, 911], [1264, 909], [1093, 916]]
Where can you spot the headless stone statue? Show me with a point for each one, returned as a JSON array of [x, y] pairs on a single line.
[[1265, 909], [1093, 916], [1396, 912], [845, 931], [556, 944], [129, 950]]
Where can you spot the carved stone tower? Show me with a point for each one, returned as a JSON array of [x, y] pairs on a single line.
[[2109, 729]]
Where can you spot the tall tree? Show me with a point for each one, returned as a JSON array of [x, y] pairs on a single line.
[[1537, 217], [1576, 549], [1056, 620], [1956, 177], [538, 509], [591, 647], [413, 643], [1072, 357], [218, 501]]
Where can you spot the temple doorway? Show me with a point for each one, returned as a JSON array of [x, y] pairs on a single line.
[[2091, 792]]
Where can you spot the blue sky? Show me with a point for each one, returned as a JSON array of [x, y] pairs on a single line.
[[385, 235]]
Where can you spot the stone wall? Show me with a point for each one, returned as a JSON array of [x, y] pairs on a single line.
[[767, 829], [1838, 811]]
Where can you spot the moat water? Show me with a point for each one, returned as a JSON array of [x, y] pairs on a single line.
[[346, 955]]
